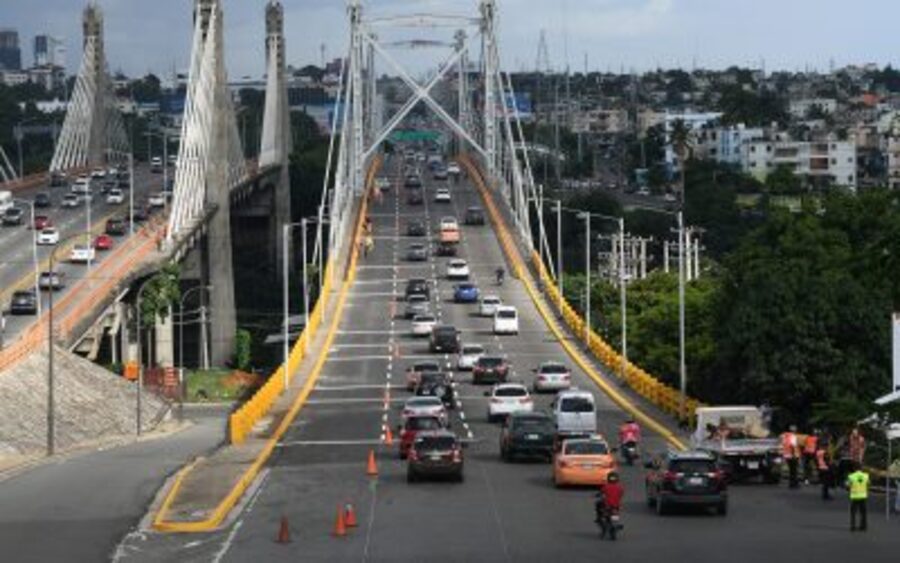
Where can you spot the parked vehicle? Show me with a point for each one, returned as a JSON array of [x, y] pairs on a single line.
[[686, 478], [739, 438]]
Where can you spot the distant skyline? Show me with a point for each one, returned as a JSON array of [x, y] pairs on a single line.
[[642, 35]]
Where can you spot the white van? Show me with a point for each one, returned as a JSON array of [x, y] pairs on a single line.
[[6, 201], [574, 412], [506, 320]]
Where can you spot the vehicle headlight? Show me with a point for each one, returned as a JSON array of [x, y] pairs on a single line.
[[777, 459]]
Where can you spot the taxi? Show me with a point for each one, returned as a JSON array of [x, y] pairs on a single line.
[[583, 461]]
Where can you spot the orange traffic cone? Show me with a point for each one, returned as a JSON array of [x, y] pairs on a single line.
[[349, 516], [388, 437], [372, 468], [284, 532], [340, 527]]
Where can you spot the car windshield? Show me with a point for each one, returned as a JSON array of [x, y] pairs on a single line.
[[491, 301], [533, 424], [424, 402], [576, 404], [423, 423], [554, 368], [424, 319], [466, 287], [490, 362], [506, 314], [473, 350], [436, 443], [510, 392], [427, 366], [418, 298], [692, 466], [586, 448]]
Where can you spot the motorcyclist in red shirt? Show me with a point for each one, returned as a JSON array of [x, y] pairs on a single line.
[[608, 502]]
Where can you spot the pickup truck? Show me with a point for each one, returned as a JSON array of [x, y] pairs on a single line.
[[739, 438]]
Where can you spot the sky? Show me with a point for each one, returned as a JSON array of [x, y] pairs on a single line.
[[154, 35]]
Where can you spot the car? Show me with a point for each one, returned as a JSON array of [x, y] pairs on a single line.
[[13, 216], [418, 286], [55, 281], [57, 179], [487, 307], [643, 192], [447, 249], [157, 200], [103, 242], [445, 339], [417, 252], [141, 214], [435, 453], [417, 305], [115, 196], [474, 216], [527, 434], [42, 199], [468, 355], [23, 303], [81, 186], [416, 228], [552, 376], [415, 371], [48, 237], [116, 227], [575, 413], [442, 195], [686, 478], [173, 159], [412, 181], [449, 223], [71, 201], [457, 270], [156, 165], [490, 369], [414, 197], [81, 254], [436, 384], [506, 399], [424, 406], [453, 168], [440, 173], [669, 197], [413, 425], [41, 222], [422, 325], [465, 293], [98, 173], [382, 183], [506, 320], [584, 461]]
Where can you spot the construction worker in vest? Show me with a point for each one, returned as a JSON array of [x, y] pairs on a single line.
[[790, 451], [856, 443], [823, 465], [858, 483], [809, 455]]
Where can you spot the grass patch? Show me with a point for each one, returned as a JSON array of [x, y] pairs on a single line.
[[218, 385]]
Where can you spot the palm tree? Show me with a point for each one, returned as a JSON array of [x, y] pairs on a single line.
[[682, 144]]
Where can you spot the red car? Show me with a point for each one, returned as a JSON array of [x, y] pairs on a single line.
[[103, 242], [42, 222], [412, 427]]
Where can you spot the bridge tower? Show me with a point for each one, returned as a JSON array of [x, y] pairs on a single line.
[[276, 144], [93, 132], [210, 162]]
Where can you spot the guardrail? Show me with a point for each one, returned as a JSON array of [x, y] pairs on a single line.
[[258, 406], [665, 397]]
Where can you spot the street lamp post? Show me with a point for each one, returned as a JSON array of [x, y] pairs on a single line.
[[181, 340], [682, 366], [587, 268], [559, 256], [305, 285]]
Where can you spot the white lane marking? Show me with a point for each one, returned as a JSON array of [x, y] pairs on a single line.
[[304, 443], [350, 401], [351, 387]]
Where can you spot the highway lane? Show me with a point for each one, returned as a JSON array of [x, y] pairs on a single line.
[[502, 512], [16, 258]]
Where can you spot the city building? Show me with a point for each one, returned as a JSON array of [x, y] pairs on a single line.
[[725, 144], [10, 52], [800, 109], [893, 162], [694, 122], [49, 51], [821, 163]]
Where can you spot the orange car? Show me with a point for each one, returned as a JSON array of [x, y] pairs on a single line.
[[583, 461]]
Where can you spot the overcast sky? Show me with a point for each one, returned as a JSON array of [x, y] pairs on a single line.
[[154, 35]]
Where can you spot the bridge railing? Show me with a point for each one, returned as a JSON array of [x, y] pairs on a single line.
[[243, 420], [665, 397]]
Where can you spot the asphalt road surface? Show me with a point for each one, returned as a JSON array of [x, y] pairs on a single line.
[[503, 511], [16, 255], [78, 507]]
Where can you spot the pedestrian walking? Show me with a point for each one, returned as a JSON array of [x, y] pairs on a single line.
[[857, 446], [809, 455], [823, 465], [790, 451], [858, 483]]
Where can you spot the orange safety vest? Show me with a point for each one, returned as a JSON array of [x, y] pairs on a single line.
[[789, 445], [809, 447]]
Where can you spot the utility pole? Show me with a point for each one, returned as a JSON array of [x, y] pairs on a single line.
[[622, 297], [682, 368], [559, 256]]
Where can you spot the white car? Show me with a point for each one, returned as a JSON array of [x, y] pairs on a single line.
[[82, 254], [98, 173], [453, 168], [115, 197], [508, 398], [157, 200], [468, 355], [449, 224], [552, 376], [506, 320], [442, 195], [457, 269], [81, 186], [488, 305], [48, 236], [71, 200], [423, 324], [424, 406]]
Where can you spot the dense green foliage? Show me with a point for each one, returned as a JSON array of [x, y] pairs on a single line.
[[243, 343], [161, 292]]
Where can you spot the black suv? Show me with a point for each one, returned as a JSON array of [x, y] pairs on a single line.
[[416, 228], [42, 199], [412, 181], [415, 197], [435, 453], [418, 286], [527, 434], [474, 216], [436, 384], [23, 303], [116, 227], [686, 478], [447, 249], [444, 339]]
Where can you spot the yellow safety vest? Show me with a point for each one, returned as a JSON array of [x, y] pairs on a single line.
[[859, 485]]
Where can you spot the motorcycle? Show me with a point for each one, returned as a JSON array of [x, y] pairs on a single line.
[[608, 520], [630, 452], [500, 278]]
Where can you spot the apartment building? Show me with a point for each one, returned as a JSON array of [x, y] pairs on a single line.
[[724, 144], [820, 163], [695, 122], [893, 162], [799, 109]]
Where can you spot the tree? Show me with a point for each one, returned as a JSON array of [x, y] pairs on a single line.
[[147, 90], [680, 140], [783, 181], [161, 292]]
